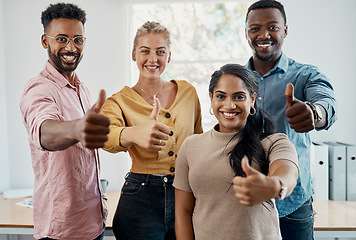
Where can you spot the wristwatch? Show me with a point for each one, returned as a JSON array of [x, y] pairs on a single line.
[[319, 115], [316, 112], [283, 192]]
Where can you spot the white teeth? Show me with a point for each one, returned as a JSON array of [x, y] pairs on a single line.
[[151, 67], [264, 45], [68, 57], [229, 114]]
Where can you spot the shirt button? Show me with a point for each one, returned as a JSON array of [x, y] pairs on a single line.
[[168, 115], [262, 78], [171, 133], [172, 169], [259, 98], [165, 179], [170, 153]]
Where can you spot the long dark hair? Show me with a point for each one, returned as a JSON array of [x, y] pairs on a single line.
[[258, 126]]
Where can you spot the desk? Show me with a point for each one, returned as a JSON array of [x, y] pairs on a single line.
[[18, 220], [334, 219]]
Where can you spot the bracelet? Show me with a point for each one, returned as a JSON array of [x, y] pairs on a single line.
[[283, 191]]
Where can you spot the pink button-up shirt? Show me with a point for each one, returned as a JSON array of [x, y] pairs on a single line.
[[66, 199]]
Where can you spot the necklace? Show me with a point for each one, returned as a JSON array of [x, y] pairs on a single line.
[[154, 96]]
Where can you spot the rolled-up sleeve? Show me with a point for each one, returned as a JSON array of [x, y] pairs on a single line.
[[37, 105], [320, 91]]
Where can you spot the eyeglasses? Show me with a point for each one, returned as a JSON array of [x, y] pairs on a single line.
[[63, 41]]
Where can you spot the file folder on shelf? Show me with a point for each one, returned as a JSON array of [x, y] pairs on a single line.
[[319, 166], [350, 172], [337, 171]]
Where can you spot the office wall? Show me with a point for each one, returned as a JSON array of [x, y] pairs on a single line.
[[319, 34], [101, 68], [4, 163]]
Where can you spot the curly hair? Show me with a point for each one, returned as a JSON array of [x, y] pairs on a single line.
[[62, 10], [264, 4], [258, 126]]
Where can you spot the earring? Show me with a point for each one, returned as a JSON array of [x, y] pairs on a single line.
[[210, 111], [253, 111]]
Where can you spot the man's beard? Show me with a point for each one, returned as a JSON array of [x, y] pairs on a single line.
[[58, 62], [264, 59], [261, 58]]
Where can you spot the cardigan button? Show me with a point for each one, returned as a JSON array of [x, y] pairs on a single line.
[[170, 153], [171, 133], [168, 115], [172, 169]]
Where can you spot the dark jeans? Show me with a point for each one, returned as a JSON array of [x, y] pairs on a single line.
[[299, 225], [146, 208], [100, 237]]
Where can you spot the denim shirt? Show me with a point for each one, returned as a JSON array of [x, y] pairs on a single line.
[[309, 85]]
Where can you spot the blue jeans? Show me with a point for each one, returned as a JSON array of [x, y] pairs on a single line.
[[146, 208], [299, 225]]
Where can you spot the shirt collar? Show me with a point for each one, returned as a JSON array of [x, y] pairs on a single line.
[[281, 65], [58, 78]]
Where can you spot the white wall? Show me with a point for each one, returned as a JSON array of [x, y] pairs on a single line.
[[4, 159], [319, 33], [102, 67]]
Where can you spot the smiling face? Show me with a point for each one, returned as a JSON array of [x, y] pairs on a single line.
[[64, 59], [265, 32], [231, 103], [151, 54]]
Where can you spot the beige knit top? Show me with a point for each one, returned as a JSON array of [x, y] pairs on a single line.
[[203, 168]]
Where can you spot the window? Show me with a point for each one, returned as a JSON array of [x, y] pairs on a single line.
[[204, 37]]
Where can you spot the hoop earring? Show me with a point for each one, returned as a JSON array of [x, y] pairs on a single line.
[[253, 111], [210, 111]]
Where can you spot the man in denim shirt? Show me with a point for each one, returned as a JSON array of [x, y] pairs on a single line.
[[298, 98]]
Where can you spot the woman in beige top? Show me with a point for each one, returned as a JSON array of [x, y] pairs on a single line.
[[227, 178], [150, 120]]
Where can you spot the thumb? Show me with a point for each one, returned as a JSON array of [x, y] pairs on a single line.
[[289, 94], [100, 103], [247, 168], [156, 107]]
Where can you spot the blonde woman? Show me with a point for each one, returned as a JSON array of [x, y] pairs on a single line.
[[150, 120]]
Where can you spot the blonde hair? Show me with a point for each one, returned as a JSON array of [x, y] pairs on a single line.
[[151, 27]]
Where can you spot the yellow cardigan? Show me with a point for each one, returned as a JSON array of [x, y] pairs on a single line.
[[127, 108]]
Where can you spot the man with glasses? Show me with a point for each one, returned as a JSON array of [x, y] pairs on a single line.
[[64, 134]]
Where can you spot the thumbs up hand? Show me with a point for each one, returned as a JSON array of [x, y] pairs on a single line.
[[156, 107], [93, 128], [100, 103], [152, 135], [289, 94], [253, 189], [300, 115]]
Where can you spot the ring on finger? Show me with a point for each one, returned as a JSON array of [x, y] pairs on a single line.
[[160, 141]]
